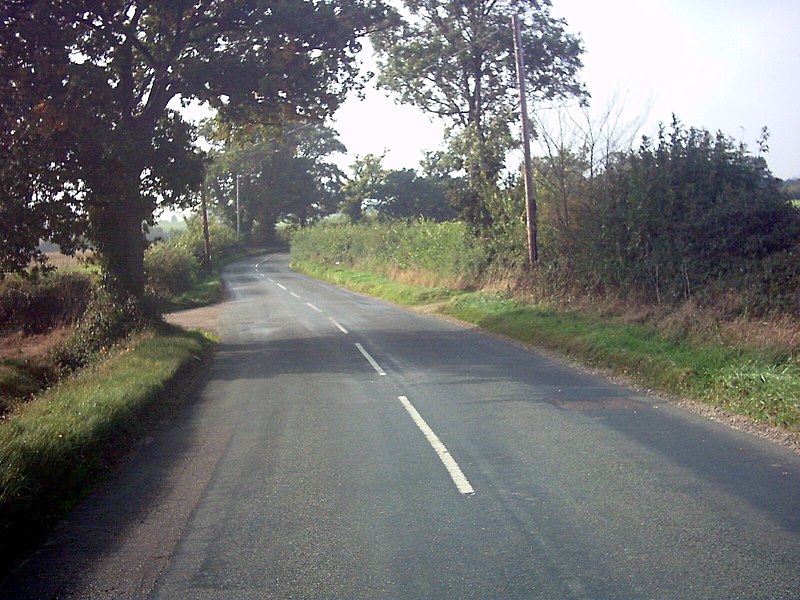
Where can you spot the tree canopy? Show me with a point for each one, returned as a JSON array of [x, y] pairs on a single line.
[[283, 172], [91, 141], [455, 59]]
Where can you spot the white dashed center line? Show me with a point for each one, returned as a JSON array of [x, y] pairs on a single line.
[[335, 322], [447, 459], [371, 360]]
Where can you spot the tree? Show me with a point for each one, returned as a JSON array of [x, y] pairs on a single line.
[[454, 59], [33, 142], [362, 185], [282, 175], [403, 194], [93, 82]]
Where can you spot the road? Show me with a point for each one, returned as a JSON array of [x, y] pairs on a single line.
[[345, 448]]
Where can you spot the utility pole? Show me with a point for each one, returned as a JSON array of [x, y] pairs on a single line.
[[530, 190], [238, 217], [207, 265]]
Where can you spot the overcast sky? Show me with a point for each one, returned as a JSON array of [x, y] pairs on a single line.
[[729, 65]]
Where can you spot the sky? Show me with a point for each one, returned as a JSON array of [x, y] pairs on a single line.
[[722, 65]]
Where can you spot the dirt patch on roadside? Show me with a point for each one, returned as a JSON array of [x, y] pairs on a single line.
[[205, 318], [20, 345]]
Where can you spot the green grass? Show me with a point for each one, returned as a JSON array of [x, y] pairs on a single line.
[[759, 384], [21, 378], [206, 290], [53, 449], [376, 285]]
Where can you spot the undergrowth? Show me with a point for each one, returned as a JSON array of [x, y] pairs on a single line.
[[52, 449]]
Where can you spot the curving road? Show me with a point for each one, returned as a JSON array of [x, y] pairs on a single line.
[[344, 448]]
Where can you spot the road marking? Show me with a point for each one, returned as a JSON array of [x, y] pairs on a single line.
[[314, 307], [283, 287], [335, 322], [447, 459], [295, 295], [371, 360]]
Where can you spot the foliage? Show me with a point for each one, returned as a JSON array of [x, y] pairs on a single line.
[[455, 60], [693, 214], [53, 449], [403, 194], [367, 175], [282, 175], [443, 249], [173, 267], [395, 194], [37, 305], [792, 188], [105, 322], [170, 268], [221, 236], [88, 128], [376, 285]]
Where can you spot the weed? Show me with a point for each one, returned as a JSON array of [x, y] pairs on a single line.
[[53, 448]]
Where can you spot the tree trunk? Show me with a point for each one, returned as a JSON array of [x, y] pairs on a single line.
[[116, 217], [117, 226]]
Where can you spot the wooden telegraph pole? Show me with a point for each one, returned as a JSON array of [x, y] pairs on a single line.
[[530, 191], [206, 241]]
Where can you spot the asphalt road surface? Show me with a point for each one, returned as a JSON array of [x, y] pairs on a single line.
[[345, 448]]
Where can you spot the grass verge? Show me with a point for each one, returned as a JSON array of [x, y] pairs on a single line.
[[376, 285], [53, 449], [761, 384], [207, 290]]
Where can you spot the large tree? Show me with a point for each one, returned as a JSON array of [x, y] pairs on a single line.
[[455, 59], [88, 129], [283, 172]]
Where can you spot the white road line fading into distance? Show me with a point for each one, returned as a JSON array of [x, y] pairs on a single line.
[[447, 459], [335, 322], [371, 360]]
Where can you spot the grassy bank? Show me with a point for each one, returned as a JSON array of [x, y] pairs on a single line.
[[762, 384], [54, 448], [375, 284]]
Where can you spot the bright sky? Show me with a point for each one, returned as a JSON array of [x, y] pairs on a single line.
[[729, 65]]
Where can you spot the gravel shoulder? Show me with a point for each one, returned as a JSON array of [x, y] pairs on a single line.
[[205, 318]]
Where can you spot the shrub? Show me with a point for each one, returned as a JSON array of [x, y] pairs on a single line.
[[170, 268], [104, 324], [685, 216], [446, 250], [222, 237], [41, 303]]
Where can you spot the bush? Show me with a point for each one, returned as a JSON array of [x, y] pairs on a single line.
[[446, 250], [688, 215], [222, 237], [103, 325], [39, 304], [170, 269]]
